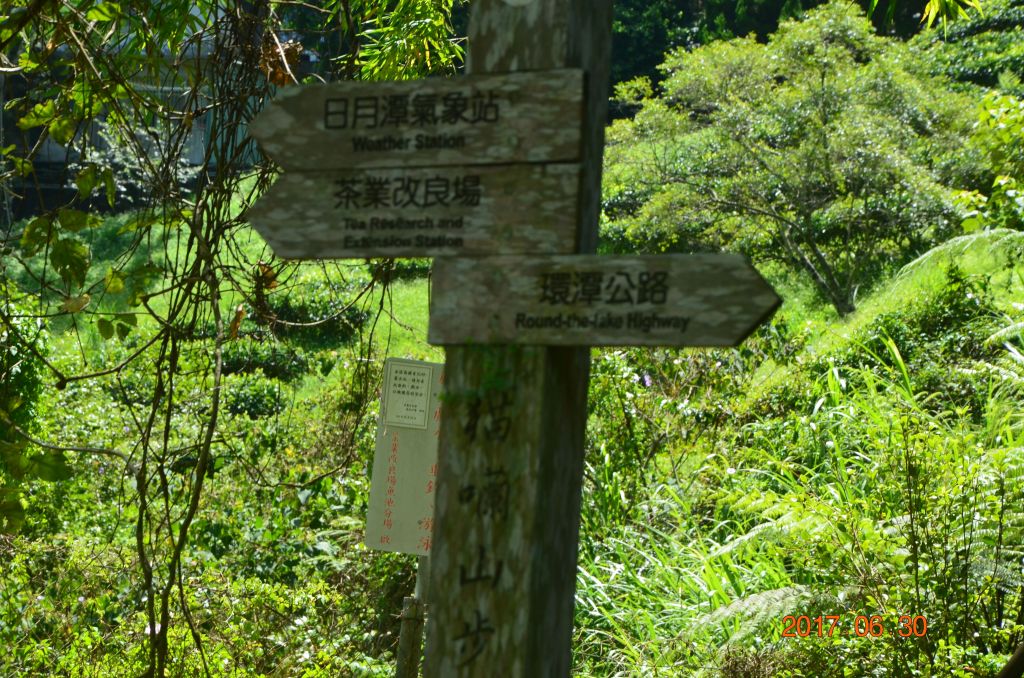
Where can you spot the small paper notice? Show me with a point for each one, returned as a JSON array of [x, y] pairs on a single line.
[[406, 394], [400, 515]]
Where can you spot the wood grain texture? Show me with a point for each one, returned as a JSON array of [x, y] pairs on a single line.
[[532, 117], [525, 621], [652, 300], [519, 209]]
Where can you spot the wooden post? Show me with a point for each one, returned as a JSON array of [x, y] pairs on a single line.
[[507, 503], [410, 636]]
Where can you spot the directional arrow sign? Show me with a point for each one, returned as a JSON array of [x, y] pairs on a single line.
[[470, 120], [420, 212], [656, 300]]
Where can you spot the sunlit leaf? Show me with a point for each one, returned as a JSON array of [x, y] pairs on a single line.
[[113, 282], [111, 186], [138, 221], [36, 235], [75, 304], [22, 166], [12, 515], [86, 180], [105, 11], [41, 114], [70, 258], [76, 220], [62, 129], [50, 465]]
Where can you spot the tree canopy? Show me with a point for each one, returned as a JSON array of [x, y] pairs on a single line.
[[827, 149]]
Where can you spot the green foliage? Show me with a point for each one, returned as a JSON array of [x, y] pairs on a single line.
[[643, 31], [825, 149], [1000, 135], [276, 361], [411, 39], [255, 396], [320, 314], [987, 49], [22, 342]]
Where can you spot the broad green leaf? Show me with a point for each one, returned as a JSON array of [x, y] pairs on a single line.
[[138, 221], [22, 166], [62, 129], [87, 180], [123, 330], [105, 327], [12, 516], [36, 235], [138, 281], [41, 114], [972, 224], [49, 466], [128, 319], [108, 181], [12, 457], [76, 220], [76, 304], [113, 282], [105, 11], [70, 258]]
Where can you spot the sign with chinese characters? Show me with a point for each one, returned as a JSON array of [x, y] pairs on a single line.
[[649, 300], [526, 117], [515, 209], [400, 515]]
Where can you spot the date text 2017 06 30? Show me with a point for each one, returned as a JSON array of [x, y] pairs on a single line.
[[863, 626]]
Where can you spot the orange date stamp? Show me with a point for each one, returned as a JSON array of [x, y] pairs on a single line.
[[861, 626]]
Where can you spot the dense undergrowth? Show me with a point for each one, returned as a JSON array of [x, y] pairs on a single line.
[[872, 468], [877, 473]]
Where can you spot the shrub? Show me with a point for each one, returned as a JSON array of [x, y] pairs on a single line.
[[318, 314], [273, 359], [254, 395]]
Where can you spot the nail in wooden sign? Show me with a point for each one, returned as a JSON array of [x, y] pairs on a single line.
[[648, 300], [417, 212], [526, 117]]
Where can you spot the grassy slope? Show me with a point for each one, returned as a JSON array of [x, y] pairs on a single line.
[[645, 587]]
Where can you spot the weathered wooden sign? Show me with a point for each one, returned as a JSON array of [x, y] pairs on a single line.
[[470, 120], [419, 212], [498, 163], [400, 515], [652, 300], [510, 458]]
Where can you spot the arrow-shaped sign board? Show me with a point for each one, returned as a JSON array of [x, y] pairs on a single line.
[[646, 300], [420, 212], [525, 117]]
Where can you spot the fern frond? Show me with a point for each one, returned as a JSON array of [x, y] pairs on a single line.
[[1011, 331], [758, 609], [997, 238]]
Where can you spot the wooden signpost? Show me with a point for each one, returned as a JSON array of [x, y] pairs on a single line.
[[472, 120], [423, 168], [471, 210], [512, 155], [654, 300]]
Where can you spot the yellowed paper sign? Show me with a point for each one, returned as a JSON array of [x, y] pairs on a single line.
[[400, 516]]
